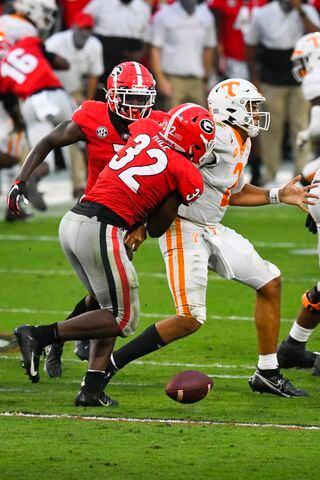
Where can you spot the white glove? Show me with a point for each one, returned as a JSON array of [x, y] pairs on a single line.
[[302, 138]]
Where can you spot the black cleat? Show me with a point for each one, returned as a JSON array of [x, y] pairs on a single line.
[[290, 355], [316, 367], [30, 350], [82, 349], [52, 364], [277, 385], [86, 399]]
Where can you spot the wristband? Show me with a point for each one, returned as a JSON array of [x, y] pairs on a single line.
[[274, 195]]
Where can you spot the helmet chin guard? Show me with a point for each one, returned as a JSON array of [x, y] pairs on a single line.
[[131, 91]]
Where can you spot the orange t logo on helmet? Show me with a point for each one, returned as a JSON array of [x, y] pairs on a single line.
[[315, 40], [229, 86]]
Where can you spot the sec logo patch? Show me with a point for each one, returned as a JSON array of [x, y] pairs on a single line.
[[102, 132]]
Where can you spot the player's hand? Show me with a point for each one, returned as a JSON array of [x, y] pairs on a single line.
[[17, 192], [292, 194], [134, 239], [311, 224], [302, 138]]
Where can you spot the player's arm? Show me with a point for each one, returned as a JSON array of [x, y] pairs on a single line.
[[161, 218], [56, 61], [291, 194], [64, 134]]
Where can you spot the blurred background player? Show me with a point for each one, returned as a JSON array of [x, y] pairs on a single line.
[[156, 162], [123, 35], [197, 241], [83, 52], [26, 73], [306, 69], [176, 29], [104, 126], [29, 19], [268, 55]]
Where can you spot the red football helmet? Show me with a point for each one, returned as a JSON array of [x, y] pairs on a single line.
[[5, 45], [190, 129], [131, 91]]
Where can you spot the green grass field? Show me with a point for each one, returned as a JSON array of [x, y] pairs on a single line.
[[38, 286]]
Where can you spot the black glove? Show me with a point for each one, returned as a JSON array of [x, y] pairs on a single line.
[[311, 224], [17, 191]]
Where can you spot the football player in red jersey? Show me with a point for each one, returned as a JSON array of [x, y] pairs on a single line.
[[105, 128], [26, 73], [145, 181]]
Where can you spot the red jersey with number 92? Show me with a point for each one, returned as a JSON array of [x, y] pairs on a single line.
[[24, 70], [143, 174]]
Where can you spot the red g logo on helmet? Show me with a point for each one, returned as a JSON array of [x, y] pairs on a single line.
[[131, 91], [190, 129]]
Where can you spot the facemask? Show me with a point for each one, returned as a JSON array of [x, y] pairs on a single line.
[[286, 5], [80, 36], [189, 5]]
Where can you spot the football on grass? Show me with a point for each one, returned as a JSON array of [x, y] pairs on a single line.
[[189, 386]]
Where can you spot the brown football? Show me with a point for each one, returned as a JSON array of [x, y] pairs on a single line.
[[189, 386]]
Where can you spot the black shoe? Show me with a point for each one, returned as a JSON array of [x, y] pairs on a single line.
[[30, 350], [86, 399], [277, 385], [290, 355], [82, 349], [52, 364], [35, 197], [316, 367]]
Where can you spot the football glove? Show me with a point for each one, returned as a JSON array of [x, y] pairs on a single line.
[[311, 224], [17, 192]]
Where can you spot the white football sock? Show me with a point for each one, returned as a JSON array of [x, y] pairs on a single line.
[[268, 362], [300, 334]]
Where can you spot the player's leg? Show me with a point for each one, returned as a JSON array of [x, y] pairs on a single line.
[[53, 364], [97, 253], [186, 259], [292, 351], [235, 258]]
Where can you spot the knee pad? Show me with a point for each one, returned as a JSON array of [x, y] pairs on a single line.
[[311, 300]]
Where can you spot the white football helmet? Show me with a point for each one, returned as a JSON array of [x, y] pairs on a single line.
[[40, 12], [237, 101], [306, 55]]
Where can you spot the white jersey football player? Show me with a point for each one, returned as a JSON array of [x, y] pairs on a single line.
[[197, 241], [30, 18], [306, 69]]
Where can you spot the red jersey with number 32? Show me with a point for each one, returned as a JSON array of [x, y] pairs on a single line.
[[143, 174], [103, 139], [24, 70]]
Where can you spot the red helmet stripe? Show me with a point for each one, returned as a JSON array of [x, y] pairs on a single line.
[[176, 114]]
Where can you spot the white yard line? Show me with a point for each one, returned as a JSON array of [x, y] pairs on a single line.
[[161, 364], [48, 238], [233, 318], [171, 421], [162, 275]]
